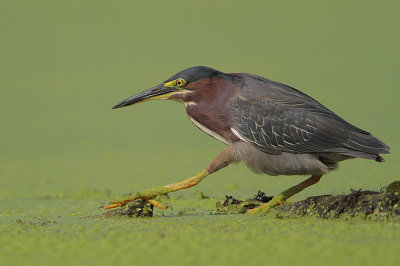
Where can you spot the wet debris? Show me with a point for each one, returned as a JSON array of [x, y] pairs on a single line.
[[393, 187], [135, 209], [261, 197], [201, 195], [233, 205], [185, 211], [34, 223]]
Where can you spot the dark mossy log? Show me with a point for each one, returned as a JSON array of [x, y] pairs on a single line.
[[359, 203]]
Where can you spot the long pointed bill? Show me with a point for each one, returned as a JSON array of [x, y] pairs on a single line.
[[157, 92]]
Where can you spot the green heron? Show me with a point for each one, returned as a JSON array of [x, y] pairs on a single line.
[[271, 127]]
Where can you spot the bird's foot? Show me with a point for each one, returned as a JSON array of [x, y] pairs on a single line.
[[150, 194], [116, 204], [265, 208], [120, 203]]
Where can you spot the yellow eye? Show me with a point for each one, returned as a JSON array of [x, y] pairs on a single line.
[[180, 82]]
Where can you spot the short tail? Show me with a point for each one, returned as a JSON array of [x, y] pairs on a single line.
[[364, 145]]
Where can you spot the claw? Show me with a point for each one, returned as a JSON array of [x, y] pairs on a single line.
[[158, 204], [116, 204], [112, 206]]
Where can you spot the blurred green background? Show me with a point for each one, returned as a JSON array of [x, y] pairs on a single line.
[[64, 64]]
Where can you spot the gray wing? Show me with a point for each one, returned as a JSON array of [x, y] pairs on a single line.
[[277, 118]]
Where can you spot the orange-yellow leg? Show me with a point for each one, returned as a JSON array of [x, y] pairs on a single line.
[[223, 159], [282, 197], [148, 195]]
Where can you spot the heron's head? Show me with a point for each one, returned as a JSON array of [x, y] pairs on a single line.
[[178, 83]]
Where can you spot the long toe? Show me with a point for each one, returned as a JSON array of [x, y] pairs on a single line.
[[256, 210], [117, 203]]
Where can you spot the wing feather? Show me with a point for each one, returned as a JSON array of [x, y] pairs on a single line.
[[278, 118]]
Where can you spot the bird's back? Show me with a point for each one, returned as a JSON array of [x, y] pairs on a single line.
[[277, 118]]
